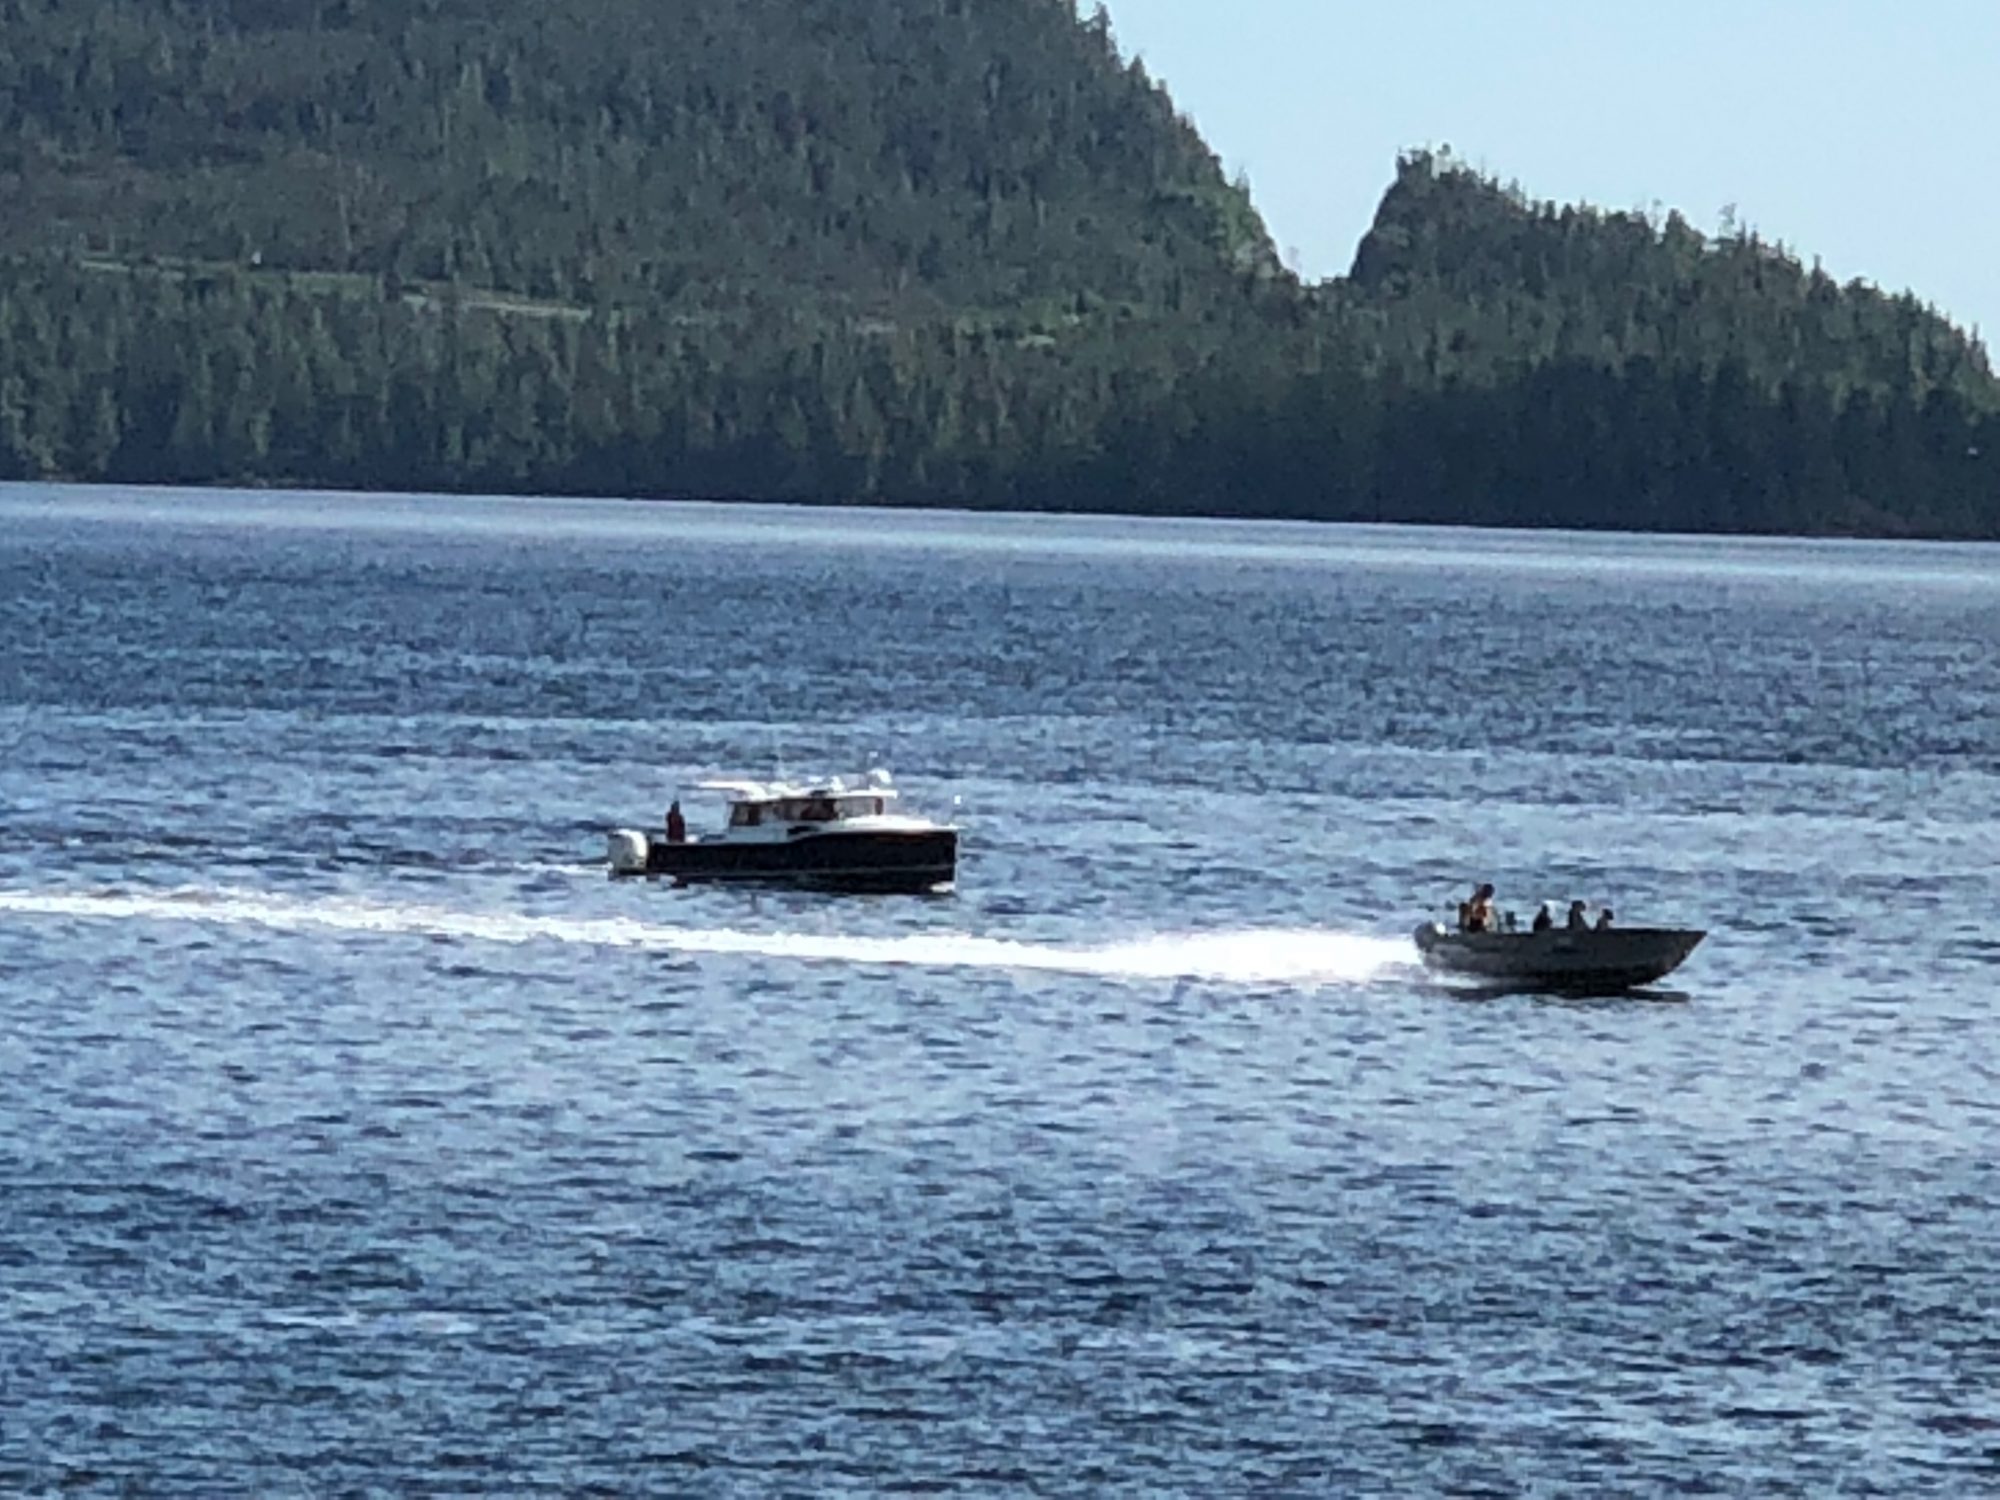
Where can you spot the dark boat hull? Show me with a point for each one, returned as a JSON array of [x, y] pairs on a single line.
[[884, 861], [1559, 960]]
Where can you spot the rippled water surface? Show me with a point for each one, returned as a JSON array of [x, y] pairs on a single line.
[[357, 1135]]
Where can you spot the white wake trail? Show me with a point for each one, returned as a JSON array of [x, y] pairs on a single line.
[[1266, 956]]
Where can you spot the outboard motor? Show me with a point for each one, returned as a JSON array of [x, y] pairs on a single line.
[[627, 852]]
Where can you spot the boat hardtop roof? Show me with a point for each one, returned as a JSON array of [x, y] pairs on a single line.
[[876, 784]]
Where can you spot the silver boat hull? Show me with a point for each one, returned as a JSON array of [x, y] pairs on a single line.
[[1560, 960]]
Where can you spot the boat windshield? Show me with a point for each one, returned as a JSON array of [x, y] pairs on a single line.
[[818, 808], [804, 810]]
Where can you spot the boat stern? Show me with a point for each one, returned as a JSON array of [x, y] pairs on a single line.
[[627, 851]]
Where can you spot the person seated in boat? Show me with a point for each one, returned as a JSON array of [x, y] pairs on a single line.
[[1604, 920], [677, 828], [1545, 917], [1476, 915], [1577, 920]]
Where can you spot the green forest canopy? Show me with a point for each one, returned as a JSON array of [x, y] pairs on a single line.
[[907, 251]]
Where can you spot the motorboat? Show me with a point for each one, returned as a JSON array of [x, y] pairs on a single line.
[[1559, 960], [823, 835]]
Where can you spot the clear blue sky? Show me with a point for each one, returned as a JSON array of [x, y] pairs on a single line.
[[1863, 132]]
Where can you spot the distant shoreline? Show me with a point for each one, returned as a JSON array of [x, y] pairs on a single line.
[[722, 507]]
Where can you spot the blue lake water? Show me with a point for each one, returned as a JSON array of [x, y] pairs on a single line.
[[357, 1135]]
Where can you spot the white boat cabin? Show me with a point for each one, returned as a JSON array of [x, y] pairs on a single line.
[[754, 806], [808, 807]]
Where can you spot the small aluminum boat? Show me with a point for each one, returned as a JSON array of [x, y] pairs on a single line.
[[1559, 960]]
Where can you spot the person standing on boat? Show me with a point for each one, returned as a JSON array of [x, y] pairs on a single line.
[[1604, 920], [1476, 915], [677, 828], [1545, 917], [1577, 920]]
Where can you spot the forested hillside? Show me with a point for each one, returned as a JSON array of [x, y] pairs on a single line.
[[676, 152], [915, 251]]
